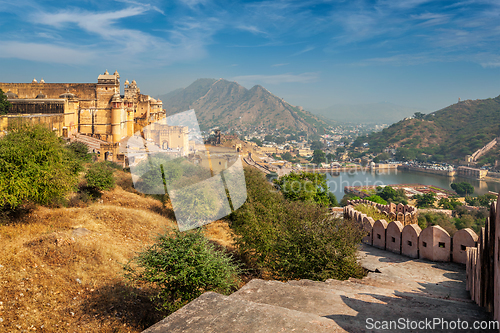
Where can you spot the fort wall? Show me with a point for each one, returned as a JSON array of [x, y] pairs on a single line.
[[480, 254], [83, 91], [432, 243]]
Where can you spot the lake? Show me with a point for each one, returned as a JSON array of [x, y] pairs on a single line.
[[337, 180]]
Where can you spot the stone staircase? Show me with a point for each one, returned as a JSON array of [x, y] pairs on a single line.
[[93, 143], [396, 287]]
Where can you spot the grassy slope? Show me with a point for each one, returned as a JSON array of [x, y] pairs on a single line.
[[41, 261], [452, 132]]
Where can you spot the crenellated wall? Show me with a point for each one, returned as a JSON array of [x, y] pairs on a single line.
[[405, 214], [483, 265], [433, 243], [481, 254]]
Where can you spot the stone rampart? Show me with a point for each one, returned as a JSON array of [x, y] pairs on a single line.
[[405, 214], [483, 264], [480, 254], [432, 243]]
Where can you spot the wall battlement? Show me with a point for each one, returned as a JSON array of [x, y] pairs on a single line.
[[405, 214], [480, 254], [433, 243]]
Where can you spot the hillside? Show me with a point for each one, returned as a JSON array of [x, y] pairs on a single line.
[[445, 135], [373, 113], [61, 268], [227, 104]]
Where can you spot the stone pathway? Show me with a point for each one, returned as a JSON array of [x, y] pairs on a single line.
[[406, 291]]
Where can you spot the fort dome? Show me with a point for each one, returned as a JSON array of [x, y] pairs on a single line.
[[34, 81], [126, 82], [116, 73], [10, 95], [42, 81], [67, 95], [106, 72]]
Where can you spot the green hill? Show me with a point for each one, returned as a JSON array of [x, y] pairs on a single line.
[[445, 135]]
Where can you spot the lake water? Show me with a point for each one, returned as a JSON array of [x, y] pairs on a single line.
[[338, 180]]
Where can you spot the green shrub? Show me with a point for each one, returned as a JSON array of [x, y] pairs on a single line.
[[35, 166], [375, 198], [182, 266], [100, 176], [80, 150], [293, 239]]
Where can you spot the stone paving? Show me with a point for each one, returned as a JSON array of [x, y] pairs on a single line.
[[397, 291]]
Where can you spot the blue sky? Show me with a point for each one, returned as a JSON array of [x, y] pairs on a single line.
[[415, 53]]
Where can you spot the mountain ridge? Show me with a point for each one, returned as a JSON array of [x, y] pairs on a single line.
[[448, 134], [228, 104]]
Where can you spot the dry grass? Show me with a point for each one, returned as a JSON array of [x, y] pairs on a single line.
[[54, 280]]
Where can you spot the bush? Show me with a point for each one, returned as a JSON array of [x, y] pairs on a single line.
[[35, 166], [305, 186], [80, 150], [182, 266], [293, 240], [100, 176], [375, 198]]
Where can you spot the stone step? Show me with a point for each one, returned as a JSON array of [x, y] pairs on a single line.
[[447, 289], [421, 300], [350, 308], [215, 313]]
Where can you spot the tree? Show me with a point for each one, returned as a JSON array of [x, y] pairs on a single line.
[[419, 115], [391, 195], [35, 166], [375, 198], [80, 150], [4, 103], [257, 141], [287, 156], [425, 200], [333, 199], [447, 203], [100, 177], [318, 157], [293, 240], [316, 145], [304, 186], [280, 140], [462, 188], [269, 138]]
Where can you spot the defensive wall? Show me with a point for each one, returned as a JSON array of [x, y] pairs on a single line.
[[480, 152], [405, 214], [483, 265], [480, 254], [404, 236]]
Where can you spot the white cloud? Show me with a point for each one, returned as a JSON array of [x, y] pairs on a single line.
[[45, 53], [307, 49], [277, 79], [279, 65]]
